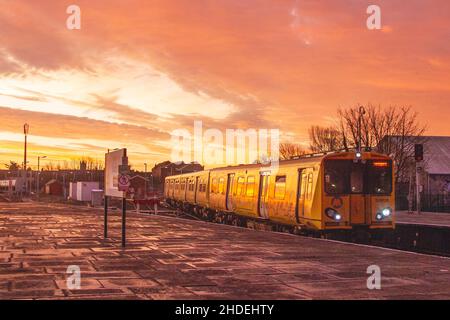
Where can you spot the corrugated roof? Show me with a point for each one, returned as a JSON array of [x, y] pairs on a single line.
[[437, 155]]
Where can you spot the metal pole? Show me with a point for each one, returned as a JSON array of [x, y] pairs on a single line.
[[145, 181], [410, 192], [37, 177], [418, 185], [25, 165], [361, 114], [25, 132], [105, 224], [64, 185], [124, 213]]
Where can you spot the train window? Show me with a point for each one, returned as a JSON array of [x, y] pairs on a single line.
[[183, 184], [221, 185], [240, 186], [380, 177], [177, 184], [357, 178], [280, 187], [337, 174], [250, 186], [202, 186], [214, 186], [346, 177]]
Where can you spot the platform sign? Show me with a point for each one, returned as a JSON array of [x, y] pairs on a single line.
[[117, 182], [124, 180], [114, 161]]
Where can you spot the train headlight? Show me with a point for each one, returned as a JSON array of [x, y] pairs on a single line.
[[333, 214], [386, 212], [379, 216]]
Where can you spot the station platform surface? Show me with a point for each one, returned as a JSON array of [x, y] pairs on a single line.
[[171, 258], [424, 218]]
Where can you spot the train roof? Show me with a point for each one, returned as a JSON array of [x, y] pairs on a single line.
[[315, 158]]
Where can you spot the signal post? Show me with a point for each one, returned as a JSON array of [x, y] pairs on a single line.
[[418, 155]]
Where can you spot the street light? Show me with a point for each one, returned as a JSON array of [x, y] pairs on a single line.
[[145, 177], [39, 175], [26, 129]]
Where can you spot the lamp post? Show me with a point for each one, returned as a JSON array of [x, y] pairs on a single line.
[[145, 181], [362, 112], [26, 129], [39, 175]]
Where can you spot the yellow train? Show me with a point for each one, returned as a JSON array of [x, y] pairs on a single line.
[[317, 193]]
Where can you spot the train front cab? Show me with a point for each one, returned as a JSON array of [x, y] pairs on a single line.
[[358, 192]]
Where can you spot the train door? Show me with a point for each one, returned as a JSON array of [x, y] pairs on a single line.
[[300, 204], [357, 197], [263, 200], [195, 189], [186, 185], [229, 196]]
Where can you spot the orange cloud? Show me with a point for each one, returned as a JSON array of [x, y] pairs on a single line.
[[268, 63]]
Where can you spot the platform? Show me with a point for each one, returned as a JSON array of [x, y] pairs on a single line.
[[171, 258], [424, 218]]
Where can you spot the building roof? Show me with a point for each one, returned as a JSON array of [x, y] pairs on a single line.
[[139, 177], [437, 155], [51, 181]]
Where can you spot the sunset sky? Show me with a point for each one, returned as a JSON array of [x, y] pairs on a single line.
[[139, 69]]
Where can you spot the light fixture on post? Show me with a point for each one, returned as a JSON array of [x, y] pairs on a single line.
[[358, 154]]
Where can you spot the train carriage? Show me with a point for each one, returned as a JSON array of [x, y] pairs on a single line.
[[336, 191]]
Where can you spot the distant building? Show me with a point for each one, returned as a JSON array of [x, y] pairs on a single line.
[[140, 186], [54, 187], [83, 166], [167, 168], [437, 165], [435, 175]]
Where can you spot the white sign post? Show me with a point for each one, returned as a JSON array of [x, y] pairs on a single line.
[[116, 184]]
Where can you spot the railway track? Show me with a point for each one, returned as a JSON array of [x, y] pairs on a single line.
[[411, 238]]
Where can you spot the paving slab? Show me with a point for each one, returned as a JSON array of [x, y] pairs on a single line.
[[172, 258]]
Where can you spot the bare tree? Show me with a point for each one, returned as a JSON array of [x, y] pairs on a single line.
[[288, 150], [12, 166], [392, 131], [49, 166], [91, 163], [323, 139]]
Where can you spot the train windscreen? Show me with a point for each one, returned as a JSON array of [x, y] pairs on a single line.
[[347, 177]]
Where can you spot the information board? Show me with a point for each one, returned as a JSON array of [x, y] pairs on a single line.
[[114, 160]]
